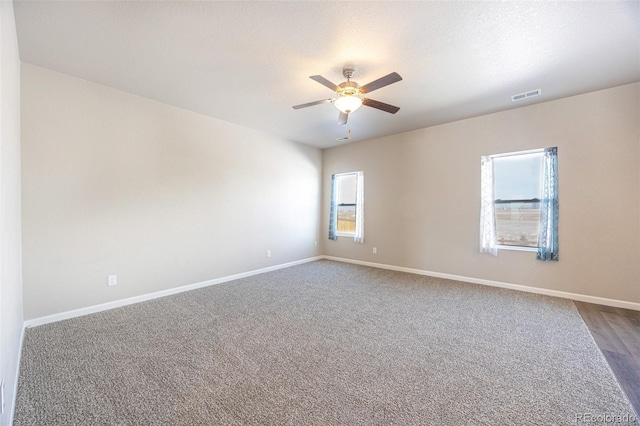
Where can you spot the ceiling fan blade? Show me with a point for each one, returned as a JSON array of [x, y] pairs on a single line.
[[320, 79], [321, 101], [381, 82], [380, 105], [342, 118]]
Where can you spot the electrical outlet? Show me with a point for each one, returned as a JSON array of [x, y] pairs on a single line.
[[268, 253], [375, 250], [112, 280], [315, 244]]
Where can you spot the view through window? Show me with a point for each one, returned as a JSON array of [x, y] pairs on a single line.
[[346, 197], [517, 193]]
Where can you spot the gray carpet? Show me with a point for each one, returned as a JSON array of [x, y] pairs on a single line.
[[323, 343]]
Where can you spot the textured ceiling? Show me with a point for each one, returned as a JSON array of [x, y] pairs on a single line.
[[249, 62]]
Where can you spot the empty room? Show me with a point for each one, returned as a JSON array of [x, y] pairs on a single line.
[[319, 213]]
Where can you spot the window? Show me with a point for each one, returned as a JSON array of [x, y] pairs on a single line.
[[346, 193], [346, 215], [517, 180], [519, 202]]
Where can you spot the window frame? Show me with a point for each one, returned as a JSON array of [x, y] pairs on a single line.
[[338, 205], [500, 201]]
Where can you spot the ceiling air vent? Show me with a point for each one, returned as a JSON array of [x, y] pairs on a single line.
[[526, 95]]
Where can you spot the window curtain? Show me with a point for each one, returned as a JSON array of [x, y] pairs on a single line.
[[359, 237], [333, 212], [487, 208], [549, 208]]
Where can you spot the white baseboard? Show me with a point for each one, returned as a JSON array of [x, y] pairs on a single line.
[[118, 303], [563, 294], [129, 301]]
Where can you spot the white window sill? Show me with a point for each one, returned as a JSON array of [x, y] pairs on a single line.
[[516, 248], [346, 235]]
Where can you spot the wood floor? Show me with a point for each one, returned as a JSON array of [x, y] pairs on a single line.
[[616, 331]]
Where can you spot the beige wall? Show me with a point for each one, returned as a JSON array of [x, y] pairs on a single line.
[[11, 317], [162, 197], [118, 184], [422, 194]]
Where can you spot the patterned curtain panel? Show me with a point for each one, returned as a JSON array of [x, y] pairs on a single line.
[[359, 237], [333, 212], [487, 209], [549, 208]]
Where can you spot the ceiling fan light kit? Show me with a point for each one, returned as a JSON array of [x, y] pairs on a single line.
[[350, 95], [349, 99]]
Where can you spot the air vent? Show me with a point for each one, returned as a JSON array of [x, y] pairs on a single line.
[[526, 95], [346, 138]]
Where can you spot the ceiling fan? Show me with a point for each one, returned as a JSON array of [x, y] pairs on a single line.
[[350, 95]]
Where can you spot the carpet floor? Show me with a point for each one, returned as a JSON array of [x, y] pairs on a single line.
[[324, 343]]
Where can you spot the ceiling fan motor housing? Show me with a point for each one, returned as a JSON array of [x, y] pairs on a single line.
[[349, 88]]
